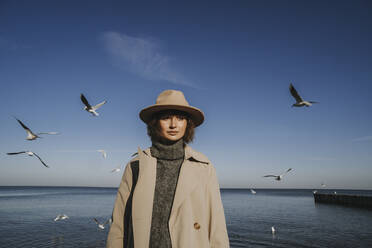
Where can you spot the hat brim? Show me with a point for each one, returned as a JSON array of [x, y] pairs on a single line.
[[196, 114]]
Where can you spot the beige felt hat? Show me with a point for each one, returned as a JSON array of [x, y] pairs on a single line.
[[172, 100]]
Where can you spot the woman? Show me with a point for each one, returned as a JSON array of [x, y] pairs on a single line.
[[169, 194]]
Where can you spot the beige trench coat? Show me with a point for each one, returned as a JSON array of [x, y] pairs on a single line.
[[197, 217]]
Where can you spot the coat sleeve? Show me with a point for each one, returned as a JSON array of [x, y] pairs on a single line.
[[116, 233], [217, 229]]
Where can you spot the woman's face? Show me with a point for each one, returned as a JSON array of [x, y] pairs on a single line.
[[172, 126]]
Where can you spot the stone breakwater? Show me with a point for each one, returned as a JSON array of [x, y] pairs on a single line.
[[346, 200]]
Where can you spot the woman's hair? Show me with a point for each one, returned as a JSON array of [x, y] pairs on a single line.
[[153, 127]]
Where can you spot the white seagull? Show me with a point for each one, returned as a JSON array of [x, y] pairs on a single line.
[[89, 108], [323, 185], [30, 134], [104, 154], [29, 153], [299, 101], [61, 217], [117, 169], [102, 225], [272, 230], [279, 177], [253, 192], [315, 191]]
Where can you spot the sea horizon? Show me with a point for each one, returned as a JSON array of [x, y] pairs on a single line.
[[222, 188]]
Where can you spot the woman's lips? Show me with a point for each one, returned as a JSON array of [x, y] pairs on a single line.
[[172, 133]]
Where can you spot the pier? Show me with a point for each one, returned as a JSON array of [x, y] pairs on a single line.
[[346, 200]]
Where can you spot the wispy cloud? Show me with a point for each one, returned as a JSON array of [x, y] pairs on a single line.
[[143, 57], [365, 138]]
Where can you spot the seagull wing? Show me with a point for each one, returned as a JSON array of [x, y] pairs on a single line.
[[313, 102], [85, 101], [104, 154], [107, 221], [294, 93], [15, 153], [23, 125], [95, 220], [41, 160], [286, 172], [99, 105], [270, 176]]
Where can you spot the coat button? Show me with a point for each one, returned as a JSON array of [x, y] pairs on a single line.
[[196, 226]]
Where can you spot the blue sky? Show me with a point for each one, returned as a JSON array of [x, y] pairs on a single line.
[[232, 59]]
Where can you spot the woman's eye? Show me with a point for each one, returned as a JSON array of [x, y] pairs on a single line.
[[180, 117]]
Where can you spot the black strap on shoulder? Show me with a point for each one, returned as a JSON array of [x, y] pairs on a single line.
[[128, 241], [192, 159]]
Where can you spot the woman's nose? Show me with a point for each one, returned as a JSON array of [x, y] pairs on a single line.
[[173, 121]]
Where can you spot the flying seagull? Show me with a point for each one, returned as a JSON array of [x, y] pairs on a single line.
[[102, 225], [89, 108], [253, 192], [279, 177], [299, 101], [117, 169], [61, 217], [104, 154], [29, 153], [30, 134]]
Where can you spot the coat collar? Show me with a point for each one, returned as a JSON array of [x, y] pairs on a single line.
[[190, 154]]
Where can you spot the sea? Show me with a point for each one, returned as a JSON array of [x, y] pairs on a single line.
[[27, 218]]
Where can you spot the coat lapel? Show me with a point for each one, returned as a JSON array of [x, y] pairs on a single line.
[[189, 178], [143, 197]]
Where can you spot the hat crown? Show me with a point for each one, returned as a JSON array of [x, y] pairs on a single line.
[[171, 97]]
